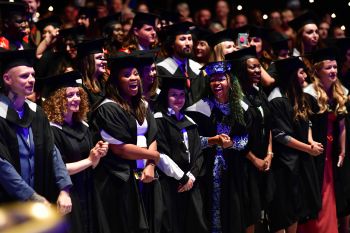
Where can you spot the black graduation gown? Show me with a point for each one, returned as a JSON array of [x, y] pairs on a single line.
[[114, 178], [95, 98], [75, 143], [184, 211], [259, 184], [207, 116], [319, 134], [44, 179], [294, 171], [169, 67]]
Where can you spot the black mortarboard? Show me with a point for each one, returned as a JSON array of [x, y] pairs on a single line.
[[202, 34], [217, 67], [261, 32], [142, 18], [52, 83], [288, 66], [122, 60], [146, 57], [53, 20], [179, 28], [87, 11], [171, 81], [7, 8], [300, 21], [74, 32], [9, 59], [90, 47], [241, 54], [323, 54], [279, 42], [217, 38], [109, 20]]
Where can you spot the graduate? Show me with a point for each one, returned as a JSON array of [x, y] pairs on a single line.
[[293, 166], [328, 100], [31, 167], [224, 138], [247, 68], [124, 121], [66, 108], [92, 64], [181, 161]]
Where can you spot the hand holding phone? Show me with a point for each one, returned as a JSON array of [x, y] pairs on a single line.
[[242, 40]]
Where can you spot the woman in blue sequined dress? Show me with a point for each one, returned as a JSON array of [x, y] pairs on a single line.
[[224, 139]]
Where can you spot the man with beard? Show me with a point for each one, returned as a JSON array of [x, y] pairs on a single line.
[[13, 31], [178, 46]]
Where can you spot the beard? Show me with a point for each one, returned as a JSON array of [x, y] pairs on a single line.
[[182, 53]]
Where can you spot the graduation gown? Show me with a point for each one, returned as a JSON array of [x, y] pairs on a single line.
[[114, 177], [183, 211], [294, 171], [75, 143], [208, 117], [169, 67], [259, 184], [341, 178], [34, 117]]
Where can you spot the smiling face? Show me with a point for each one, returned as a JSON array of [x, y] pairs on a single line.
[[328, 72], [227, 47], [148, 74], [301, 74], [253, 70], [100, 63], [176, 99], [20, 80], [129, 82], [73, 99], [220, 86]]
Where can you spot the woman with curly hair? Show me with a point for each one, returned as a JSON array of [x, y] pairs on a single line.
[[124, 120], [66, 108], [258, 122], [328, 99], [224, 137]]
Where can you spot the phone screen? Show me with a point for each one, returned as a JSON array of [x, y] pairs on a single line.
[[242, 39]]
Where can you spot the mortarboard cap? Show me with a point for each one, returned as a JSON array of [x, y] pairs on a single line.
[[74, 32], [90, 47], [323, 54], [261, 32], [202, 34], [288, 66], [217, 38], [8, 8], [51, 84], [146, 57], [169, 16], [87, 11], [53, 20], [122, 60], [171, 81], [300, 21], [179, 28], [279, 42], [241, 54], [108, 21], [218, 67], [142, 18], [10, 59]]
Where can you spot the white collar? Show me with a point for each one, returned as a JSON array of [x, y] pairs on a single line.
[[172, 112]]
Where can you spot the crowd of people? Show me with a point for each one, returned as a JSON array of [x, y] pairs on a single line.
[[140, 122]]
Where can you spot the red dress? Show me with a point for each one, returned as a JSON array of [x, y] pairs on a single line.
[[327, 217]]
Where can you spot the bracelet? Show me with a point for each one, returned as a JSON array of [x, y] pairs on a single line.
[[270, 153]]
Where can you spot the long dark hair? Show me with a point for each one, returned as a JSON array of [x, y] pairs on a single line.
[[137, 106], [291, 87]]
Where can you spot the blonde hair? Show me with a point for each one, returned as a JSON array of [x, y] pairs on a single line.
[[338, 94], [217, 53]]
